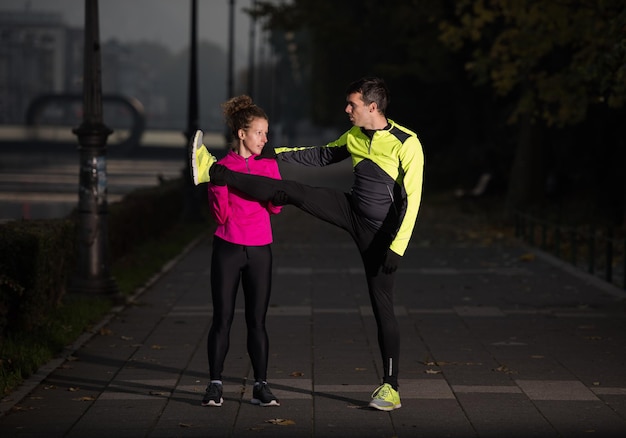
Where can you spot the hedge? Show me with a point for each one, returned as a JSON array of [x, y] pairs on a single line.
[[37, 256]]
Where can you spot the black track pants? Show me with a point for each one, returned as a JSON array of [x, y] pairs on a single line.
[[336, 208], [230, 264]]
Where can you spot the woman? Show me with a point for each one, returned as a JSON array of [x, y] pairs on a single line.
[[241, 252]]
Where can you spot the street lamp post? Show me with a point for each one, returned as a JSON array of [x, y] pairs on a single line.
[[92, 273], [251, 50], [231, 48], [192, 210], [230, 80]]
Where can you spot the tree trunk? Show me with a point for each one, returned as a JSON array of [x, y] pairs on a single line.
[[526, 180]]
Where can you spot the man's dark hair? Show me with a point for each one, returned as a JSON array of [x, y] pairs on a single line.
[[373, 89]]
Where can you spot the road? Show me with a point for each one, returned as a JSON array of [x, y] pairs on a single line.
[[41, 181]]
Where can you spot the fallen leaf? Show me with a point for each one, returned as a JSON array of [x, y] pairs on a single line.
[[505, 369], [360, 369], [431, 371], [157, 347], [106, 331], [73, 389], [281, 421], [126, 338], [297, 374], [86, 398], [528, 257], [443, 363]]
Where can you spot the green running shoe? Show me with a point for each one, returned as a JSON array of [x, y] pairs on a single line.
[[385, 398], [201, 160]]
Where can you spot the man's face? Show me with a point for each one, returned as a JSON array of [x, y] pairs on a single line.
[[358, 112]]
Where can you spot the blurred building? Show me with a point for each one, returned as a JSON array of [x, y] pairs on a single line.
[[38, 54]]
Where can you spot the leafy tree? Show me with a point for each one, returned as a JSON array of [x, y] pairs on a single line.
[[340, 41], [552, 69], [557, 57], [558, 64], [349, 39]]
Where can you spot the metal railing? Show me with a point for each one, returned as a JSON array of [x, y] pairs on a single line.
[[598, 250]]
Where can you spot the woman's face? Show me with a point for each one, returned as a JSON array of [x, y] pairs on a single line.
[[252, 139]]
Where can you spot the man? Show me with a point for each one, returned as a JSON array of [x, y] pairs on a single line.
[[379, 212]]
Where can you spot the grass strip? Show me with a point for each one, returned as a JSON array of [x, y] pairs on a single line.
[[23, 353]]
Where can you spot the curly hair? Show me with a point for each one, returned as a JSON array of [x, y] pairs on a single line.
[[240, 111]]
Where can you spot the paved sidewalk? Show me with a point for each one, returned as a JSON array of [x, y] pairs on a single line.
[[494, 343]]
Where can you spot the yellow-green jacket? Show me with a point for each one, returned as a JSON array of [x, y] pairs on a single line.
[[388, 171]]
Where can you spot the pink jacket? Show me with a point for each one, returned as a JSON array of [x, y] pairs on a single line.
[[241, 219]]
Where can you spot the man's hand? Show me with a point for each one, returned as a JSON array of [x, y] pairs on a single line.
[[266, 152], [280, 198], [391, 262]]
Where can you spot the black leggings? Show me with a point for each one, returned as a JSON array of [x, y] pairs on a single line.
[[336, 208], [252, 265]]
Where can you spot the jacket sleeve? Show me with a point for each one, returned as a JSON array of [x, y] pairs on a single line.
[[412, 162], [315, 156], [218, 203], [273, 172]]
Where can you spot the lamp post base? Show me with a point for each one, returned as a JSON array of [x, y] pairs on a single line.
[[103, 287]]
